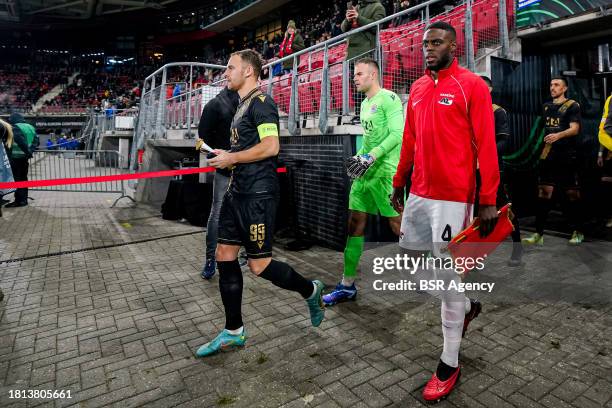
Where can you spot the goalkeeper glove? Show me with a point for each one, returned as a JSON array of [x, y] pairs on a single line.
[[358, 165]]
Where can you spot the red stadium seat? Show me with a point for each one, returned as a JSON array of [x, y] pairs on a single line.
[[306, 101]]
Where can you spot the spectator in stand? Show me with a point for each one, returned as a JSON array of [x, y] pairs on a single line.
[[292, 43], [177, 90], [136, 91], [268, 53], [336, 30], [110, 111], [405, 18], [360, 44], [50, 144], [365, 13]]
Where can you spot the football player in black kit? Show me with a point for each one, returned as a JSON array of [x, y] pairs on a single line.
[[558, 168], [504, 196], [249, 206]]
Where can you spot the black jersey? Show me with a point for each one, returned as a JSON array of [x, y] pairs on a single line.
[[557, 118], [502, 132], [256, 118], [502, 127]]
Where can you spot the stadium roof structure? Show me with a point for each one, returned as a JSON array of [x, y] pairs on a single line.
[[38, 11]]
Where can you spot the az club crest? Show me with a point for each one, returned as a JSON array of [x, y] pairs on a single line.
[[445, 101]]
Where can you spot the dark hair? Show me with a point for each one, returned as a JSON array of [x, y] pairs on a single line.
[[252, 58], [443, 25], [487, 80], [370, 62], [560, 78]]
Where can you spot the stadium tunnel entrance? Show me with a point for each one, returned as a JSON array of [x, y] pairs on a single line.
[[579, 49]]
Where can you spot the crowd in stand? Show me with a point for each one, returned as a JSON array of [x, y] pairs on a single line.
[[325, 22], [97, 90], [321, 21], [20, 88]]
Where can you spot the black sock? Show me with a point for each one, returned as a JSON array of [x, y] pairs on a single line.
[[516, 234], [444, 371], [284, 276], [230, 286], [544, 206]]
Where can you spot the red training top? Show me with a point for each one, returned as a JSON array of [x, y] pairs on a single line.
[[449, 129]]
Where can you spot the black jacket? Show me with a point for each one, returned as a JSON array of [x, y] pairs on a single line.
[[216, 120]]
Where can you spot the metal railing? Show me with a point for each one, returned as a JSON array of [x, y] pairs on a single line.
[[320, 84], [160, 111], [118, 119], [62, 164]]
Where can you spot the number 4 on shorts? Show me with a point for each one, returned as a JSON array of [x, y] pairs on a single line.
[[447, 234]]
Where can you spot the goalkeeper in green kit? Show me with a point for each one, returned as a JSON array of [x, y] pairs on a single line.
[[372, 170]]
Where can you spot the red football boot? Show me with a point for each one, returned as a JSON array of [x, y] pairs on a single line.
[[435, 390], [471, 315]]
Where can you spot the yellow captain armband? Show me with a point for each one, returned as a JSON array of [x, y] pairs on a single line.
[[267, 129]]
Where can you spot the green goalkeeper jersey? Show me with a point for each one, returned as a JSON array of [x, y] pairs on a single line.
[[382, 119]]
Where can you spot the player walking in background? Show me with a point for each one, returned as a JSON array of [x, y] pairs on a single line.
[[504, 196], [558, 168], [372, 169], [214, 130]]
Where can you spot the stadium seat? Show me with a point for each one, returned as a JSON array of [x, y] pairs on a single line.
[[335, 92], [306, 102]]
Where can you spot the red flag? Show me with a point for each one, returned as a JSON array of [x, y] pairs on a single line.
[[469, 244]]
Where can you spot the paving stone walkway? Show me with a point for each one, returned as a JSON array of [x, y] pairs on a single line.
[[116, 318]]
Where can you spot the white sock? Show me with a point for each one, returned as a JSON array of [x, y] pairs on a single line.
[[347, 281], [235, 332], [452, 325], [468, 305]]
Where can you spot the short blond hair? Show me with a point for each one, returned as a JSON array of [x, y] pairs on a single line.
[[252, 58], [9, 133]]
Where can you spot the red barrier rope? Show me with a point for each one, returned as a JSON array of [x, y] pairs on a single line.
[[102, 179]]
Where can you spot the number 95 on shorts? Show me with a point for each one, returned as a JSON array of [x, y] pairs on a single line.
[[39, 394]]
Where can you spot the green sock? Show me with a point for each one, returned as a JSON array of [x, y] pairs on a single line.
[[352, 254]]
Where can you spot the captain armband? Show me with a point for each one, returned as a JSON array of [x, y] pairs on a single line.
[[267, 129]]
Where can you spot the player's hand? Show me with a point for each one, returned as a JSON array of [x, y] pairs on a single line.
[[397, 199], [488, 219], [223, 160], [199, 143], [600, 161], [357, 166], [552, 138]]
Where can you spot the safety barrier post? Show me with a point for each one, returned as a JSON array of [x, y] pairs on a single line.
[[503, 29], [469, 37], [188, 102], [324, 102], [345, 88], [160, 130], [292, 120]]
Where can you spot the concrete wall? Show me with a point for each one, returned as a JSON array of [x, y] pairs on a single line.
[[160, 155]]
